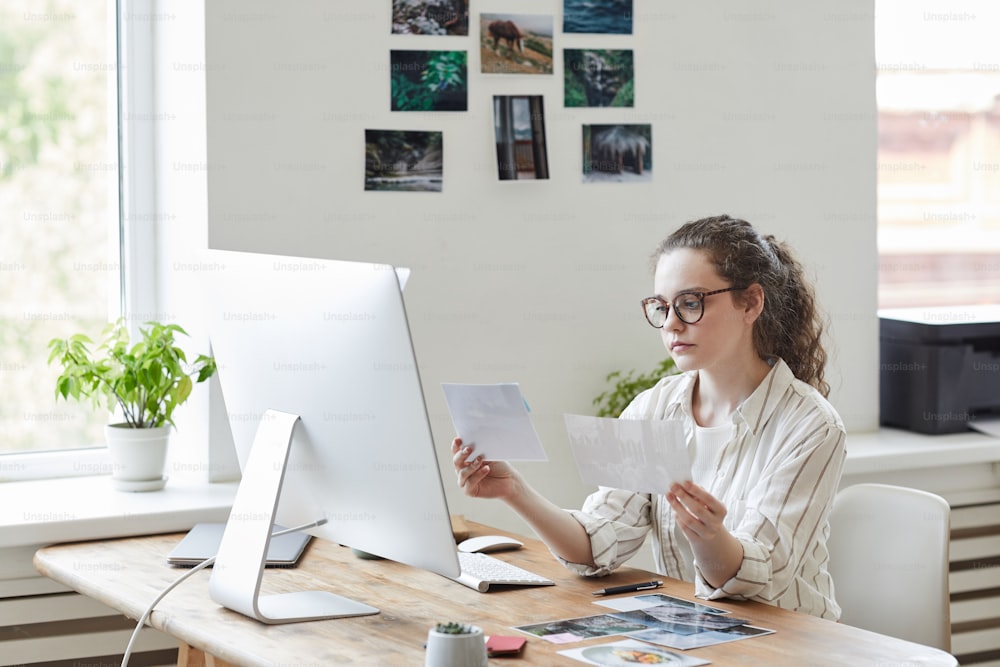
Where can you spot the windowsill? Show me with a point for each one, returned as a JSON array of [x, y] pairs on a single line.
[[40, 512], [888, 449]]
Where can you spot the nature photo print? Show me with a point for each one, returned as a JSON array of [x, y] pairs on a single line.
[[403, 161], [429, 80], [599, 78], [515, 43], [608, 17], [430, 17], [617, 153]]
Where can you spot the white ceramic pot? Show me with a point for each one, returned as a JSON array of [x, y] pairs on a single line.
[[446, 650], [138, 456]]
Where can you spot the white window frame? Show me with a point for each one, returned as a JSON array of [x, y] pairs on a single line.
[[132, 41]]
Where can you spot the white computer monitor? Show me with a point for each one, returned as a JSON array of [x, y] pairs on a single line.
[[327, 342]]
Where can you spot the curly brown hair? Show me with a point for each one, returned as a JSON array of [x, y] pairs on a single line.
[[790, 325]]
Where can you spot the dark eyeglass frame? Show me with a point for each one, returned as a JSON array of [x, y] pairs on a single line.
[[700, 296]]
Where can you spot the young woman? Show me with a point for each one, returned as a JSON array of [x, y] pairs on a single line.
[[737, 315]]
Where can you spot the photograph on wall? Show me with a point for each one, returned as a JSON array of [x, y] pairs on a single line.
[[515, 43], [430, 17], [519, 122], [617, 153], [403, 161], [608, 17], [429, 80], [599, 78]]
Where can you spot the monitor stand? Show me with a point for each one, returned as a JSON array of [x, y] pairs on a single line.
[[239, 565]]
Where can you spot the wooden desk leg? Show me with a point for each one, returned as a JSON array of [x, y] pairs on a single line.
[[189, 656]]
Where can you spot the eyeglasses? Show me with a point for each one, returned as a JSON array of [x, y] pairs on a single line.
[[689, 307]]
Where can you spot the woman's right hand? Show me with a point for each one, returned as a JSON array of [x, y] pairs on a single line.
[[498, 479], [480, 478]]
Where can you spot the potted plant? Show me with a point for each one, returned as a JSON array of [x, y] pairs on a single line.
[[142, 382], [456, 645]]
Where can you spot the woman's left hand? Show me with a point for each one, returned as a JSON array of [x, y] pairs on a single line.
[[698, 513]]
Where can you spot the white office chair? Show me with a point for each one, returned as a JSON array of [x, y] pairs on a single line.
[[889, 562]]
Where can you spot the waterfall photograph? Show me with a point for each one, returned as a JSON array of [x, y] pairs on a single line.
[[599, 78]]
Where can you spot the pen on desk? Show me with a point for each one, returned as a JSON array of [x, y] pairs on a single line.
[[629, 588]]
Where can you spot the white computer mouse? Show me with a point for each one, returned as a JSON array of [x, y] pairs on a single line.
[[485, 543]]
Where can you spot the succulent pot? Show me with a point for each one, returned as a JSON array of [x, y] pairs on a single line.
[[456, 650]]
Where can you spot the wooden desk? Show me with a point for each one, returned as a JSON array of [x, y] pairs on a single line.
[[127, 574]]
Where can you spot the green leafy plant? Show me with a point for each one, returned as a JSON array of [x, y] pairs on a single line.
[[626, 386], [453, 628], [423, 82], [147, 380], [445, 69]]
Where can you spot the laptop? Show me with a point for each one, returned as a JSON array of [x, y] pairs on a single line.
[[202, 542]]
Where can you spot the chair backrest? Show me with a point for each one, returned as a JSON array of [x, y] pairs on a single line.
[[889, 561]]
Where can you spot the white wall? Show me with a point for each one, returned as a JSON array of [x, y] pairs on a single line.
[[766, 113]]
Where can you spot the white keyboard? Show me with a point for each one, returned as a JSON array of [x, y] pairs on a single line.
[[480, 571]]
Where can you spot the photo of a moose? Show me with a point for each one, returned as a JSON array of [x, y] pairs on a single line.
[[515, 43]]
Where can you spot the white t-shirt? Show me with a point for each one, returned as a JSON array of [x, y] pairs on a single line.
[[706, 450]]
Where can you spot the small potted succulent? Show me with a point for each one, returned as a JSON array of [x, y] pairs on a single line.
[[142, 382], [456, 645]]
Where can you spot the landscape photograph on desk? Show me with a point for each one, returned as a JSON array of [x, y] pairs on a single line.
[[570, 630], [657, 619]]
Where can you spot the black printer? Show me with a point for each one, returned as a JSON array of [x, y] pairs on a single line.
[[939, 368]]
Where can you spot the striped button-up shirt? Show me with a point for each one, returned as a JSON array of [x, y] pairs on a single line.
[[777, 476]]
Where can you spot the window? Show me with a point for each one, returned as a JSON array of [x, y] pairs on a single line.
[[60, 266], [938, 93]]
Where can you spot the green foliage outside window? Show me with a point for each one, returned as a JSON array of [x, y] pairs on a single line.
[[58, 266]]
